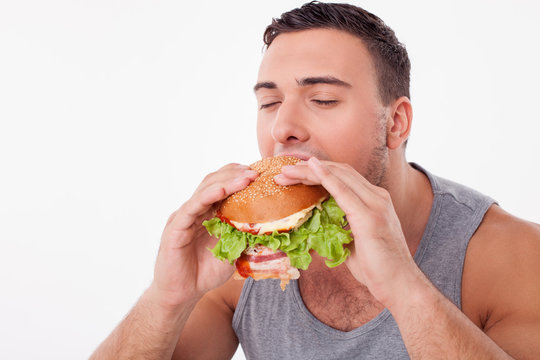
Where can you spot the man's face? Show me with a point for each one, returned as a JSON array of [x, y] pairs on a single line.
[[317, 95]]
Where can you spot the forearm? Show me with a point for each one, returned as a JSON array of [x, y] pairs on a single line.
[[432, 327], [150, 331]]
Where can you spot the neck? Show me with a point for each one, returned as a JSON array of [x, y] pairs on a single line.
[[412, 197]]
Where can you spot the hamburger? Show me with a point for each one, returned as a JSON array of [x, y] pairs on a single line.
[[268, 230]]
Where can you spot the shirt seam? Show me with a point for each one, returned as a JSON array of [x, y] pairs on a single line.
[[241, 306], [474, 224]]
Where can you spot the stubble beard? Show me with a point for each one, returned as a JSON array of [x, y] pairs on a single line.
[[378, 159]]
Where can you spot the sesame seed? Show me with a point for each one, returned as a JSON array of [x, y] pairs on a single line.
[[264, 184]]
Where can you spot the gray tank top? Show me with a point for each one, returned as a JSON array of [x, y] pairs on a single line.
[[272, 324]]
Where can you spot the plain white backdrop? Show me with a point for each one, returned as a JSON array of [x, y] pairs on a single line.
[[112, 112]]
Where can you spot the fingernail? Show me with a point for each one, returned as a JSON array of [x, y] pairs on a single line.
[[314, 160]]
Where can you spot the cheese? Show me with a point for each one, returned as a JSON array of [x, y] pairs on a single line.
[[288, 223]]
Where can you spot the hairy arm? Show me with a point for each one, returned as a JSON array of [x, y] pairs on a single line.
[[433, 328], [197, 330], [506, 293], [184, 272], [211, 318], [149, 331], [500, 297]]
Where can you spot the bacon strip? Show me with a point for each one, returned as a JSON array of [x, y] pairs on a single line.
[[262, 263], [263, 258]]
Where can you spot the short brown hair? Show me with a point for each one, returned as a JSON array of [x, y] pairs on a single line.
[[389, 56]]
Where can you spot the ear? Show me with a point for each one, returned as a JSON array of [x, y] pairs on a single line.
[[399, 123]]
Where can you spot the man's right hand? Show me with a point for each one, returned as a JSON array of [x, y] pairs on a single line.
[[185, 269]]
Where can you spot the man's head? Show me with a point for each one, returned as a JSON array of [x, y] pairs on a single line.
[[389, 56], [327, 91]]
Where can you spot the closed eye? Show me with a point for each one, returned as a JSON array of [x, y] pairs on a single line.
[[325, 102], [265, 106]]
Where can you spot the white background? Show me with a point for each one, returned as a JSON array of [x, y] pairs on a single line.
[[112, 112]]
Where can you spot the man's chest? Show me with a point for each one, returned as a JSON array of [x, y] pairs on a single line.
[[337, 301]]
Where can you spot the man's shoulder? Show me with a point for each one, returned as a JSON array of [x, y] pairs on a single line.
[[501, 267], [505, 237], [498, 222]]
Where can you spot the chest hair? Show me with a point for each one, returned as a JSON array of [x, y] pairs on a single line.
[[335, 298]]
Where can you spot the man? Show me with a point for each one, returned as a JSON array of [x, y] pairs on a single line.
[[436, 270]]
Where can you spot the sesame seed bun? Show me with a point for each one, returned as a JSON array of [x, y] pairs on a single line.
[[264, 200]]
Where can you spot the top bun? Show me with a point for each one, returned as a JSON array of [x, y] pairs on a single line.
[[264, 200]]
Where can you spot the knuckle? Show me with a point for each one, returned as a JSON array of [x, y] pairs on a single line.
[[381, 207], [231, 166], [221, 191], [378, 217], [383, 193], [183, 208], [325, 170], [342, 187], [209, 177], [217, 191], [347, 166], [171, 217], [342, 167]]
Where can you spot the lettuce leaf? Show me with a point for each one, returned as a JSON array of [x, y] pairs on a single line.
[[322, 232]]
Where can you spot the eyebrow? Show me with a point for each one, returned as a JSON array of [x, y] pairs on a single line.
[[308, 81], [265, 85], [323, 80]]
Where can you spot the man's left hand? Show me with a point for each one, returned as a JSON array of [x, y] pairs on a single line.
[[380, 257]]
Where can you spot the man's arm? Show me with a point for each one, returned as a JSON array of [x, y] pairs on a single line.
[[430, 325], [201, 330], [208, 334], [149, 331], [501, 282], [184, 272], [500, 298]]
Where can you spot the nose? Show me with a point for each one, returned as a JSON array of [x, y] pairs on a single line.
[[289, 124]]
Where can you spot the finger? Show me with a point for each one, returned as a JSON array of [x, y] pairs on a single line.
[[202, 201], [226, 172], [371, 194], [296, 174], [225, 176], [323, 174], [234, 166], [304, 174], [352, 262], [352, 177], [345, 196], [285, 180]]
